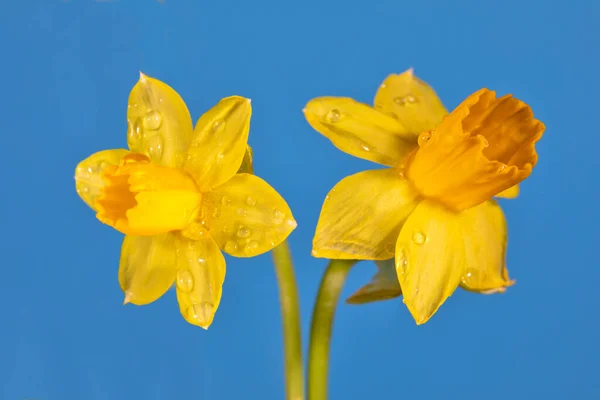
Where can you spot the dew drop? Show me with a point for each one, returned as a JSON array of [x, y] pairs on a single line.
[[251, 201], [401, 261], [365, 147], [252, 246], [243, 232], [218, 125], [333, 115], [278, 217], [473, 277], [185, 280], [241, 212], [153, 121], [424, 138], [405, 100], [216, 212], [201, 312], [419, 237], [134, 132], [195, 143], [155, 147], [231, 246], [226, 200], [220, 157]]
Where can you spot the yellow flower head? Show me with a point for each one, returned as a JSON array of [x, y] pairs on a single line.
[[432, 211], [181, 195]]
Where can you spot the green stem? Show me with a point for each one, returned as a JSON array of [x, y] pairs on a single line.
[[290, 312], [322, 322]]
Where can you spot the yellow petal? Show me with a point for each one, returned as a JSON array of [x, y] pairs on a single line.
[[200, 277], [160, 124], [147, 267], [220, 141], [246, 216], [485, 234], [383, 286], [362, 216], [88, 174], [360, 130], [510, 193], [429, 259], [247, 166], [411, 100]]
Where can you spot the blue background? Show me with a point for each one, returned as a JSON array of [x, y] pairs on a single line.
[[67, 68]]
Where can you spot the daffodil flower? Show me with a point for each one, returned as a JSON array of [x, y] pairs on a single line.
[[433, 210], [182, 195]]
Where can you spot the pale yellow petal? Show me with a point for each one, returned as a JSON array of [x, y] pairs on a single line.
[[510, 193], [485, 236], [147, 267], [362, 216], [88, 174], [246, 216], [247, 166], [160, 124], [383, 286], [360, 130], [430, 259], [219, 143], [200, 277], [412, 101]]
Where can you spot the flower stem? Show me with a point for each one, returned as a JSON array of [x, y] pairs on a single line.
[[322, 322], [290, 312]]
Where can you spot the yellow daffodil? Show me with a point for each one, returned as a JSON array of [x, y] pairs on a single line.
[[433, 209], [181, 195]]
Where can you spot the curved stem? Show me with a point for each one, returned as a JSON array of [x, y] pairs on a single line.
[[290, 312], [322, 323]]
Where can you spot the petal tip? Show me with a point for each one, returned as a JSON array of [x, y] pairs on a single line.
[[127, 299], [143, 77]]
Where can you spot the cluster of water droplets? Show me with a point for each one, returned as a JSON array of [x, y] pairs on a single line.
[[201, 309], [143, 132], [241, 236]]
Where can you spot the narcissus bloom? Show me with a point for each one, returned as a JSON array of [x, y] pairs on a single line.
[[433, 209], [181, 195]]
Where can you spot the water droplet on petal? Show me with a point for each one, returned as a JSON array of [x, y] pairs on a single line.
[[333, 115], [231, 246], [365, 147], [216, 212], [194, 144], [153, 121], [135, 132], [201, 312], [241, 212], [218, 125], [243, 232], [226, 200], [155, 147], [252, 246], [278, 217], [419, 237], [185, 280], [424, 138], [220, 156], [405, 100], [401, 261], [251, 201], [473, 277]]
